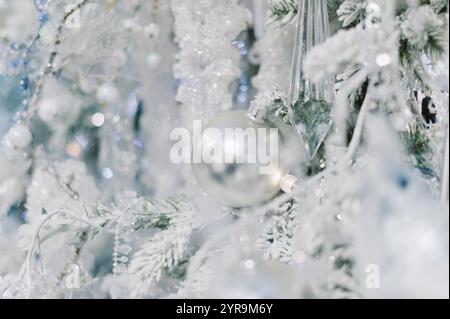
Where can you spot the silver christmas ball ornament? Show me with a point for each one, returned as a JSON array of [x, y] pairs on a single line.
[[238, 159]]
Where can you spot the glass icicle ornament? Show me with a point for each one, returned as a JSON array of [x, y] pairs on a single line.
[[310, 103]]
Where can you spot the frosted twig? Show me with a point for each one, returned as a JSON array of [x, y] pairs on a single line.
[[341, 109], [28, 262], [357, 133]]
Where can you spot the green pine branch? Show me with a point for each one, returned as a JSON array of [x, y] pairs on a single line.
[[417, 144]]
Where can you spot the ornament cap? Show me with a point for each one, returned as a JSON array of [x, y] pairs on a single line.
[[257, 114], [288, 183]]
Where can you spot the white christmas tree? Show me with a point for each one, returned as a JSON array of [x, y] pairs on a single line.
[[91, 205]]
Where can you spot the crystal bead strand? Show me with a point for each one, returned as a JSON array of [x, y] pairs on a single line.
[[121, 249]]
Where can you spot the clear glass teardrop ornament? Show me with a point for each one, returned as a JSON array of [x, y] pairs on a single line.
[[310, 103]]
